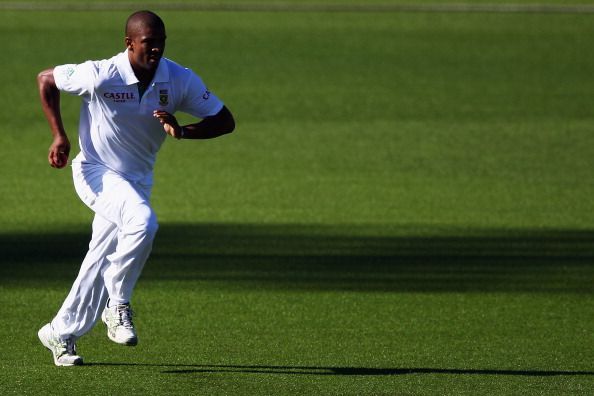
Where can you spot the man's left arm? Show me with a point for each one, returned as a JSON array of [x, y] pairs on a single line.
[[210, 127]]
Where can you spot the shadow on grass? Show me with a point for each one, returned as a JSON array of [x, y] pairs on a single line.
[[330, 258], [346, 371]]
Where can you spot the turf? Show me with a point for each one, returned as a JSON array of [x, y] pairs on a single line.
[[404, 209]]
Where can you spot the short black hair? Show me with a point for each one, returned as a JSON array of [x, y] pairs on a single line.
[[143, 18]]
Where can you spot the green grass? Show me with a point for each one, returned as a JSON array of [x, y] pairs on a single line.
[[405, 208], [272, 309], [225, 4]]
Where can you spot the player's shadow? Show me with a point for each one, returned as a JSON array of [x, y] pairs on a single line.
[[343, 371], [364, 371], [330, 258]]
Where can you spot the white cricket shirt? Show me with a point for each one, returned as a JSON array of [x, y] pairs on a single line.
[[117, 128]]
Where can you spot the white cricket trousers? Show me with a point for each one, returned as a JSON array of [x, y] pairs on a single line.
[[123, 231]]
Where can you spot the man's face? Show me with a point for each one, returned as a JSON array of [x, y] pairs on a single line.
[[145, 47]]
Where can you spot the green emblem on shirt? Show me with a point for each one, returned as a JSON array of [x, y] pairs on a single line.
[[163, 97]]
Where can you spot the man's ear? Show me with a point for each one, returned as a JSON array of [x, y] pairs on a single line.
[[128, 42]]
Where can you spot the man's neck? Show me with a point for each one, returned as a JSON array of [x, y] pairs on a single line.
[[144, 77]]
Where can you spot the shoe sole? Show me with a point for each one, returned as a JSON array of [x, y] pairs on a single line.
[[130, 342], [44, 338]]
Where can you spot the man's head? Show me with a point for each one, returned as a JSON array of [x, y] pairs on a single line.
[[145, 40]]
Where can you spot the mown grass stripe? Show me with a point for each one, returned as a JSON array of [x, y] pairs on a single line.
[[304, 7]]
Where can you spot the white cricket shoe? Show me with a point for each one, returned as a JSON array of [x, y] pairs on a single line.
[[120, 328], [63, 351]]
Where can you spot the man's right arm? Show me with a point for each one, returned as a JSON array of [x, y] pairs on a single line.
[[50, 103]]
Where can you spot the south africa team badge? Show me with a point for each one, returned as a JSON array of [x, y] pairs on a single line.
[[163, 97]]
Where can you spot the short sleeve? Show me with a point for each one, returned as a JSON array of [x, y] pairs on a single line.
[[76, 79], [198, 100]]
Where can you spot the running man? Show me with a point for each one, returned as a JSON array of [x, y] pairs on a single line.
[[128, 107]]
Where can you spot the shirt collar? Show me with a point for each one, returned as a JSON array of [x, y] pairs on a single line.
[[128, 76]]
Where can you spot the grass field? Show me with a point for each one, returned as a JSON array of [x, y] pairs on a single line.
[[405, 208]]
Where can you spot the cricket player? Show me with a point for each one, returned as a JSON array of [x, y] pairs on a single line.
[[128, 106]]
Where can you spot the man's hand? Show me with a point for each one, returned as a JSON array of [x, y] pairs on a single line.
[[59, 152], [169, 123]]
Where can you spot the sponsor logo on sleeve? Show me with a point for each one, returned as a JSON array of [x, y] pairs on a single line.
[[68, 72], [206, 95]]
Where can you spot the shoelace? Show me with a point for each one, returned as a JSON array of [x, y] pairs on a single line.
[[125, 314], [70, 347], [67, 347]]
